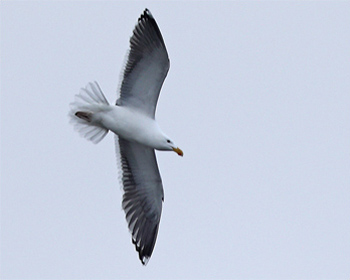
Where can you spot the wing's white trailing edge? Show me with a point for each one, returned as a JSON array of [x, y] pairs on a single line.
[[90, 100]]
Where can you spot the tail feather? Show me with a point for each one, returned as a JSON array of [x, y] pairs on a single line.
[[86, 103], [98, 93]]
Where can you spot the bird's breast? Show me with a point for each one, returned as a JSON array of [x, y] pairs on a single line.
[[131, 125]]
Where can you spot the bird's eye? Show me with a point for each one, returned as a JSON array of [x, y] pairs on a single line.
[[168, 141]]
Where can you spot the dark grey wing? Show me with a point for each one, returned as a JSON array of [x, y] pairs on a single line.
[[146, 67], [143, 195]]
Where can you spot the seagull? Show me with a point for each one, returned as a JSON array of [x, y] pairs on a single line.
[[137, 134]]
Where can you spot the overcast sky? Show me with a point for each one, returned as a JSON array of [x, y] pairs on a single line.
[[257, 97]]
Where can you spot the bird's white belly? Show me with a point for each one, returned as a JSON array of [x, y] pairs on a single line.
[[130, 125]]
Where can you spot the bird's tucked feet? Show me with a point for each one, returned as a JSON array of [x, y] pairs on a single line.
[[86, 116]]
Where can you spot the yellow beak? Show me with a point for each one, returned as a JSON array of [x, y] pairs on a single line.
[[178, 151]]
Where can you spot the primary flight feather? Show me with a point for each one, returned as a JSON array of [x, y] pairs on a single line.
[[137, 133]]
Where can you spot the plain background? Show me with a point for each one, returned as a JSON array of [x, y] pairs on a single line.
[[258, 98]]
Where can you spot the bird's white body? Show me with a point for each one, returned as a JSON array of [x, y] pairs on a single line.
[[130, 124]]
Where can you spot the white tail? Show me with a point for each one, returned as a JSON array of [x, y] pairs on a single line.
[[89, 101]]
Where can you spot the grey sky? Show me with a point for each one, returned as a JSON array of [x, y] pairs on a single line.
[[257, 97]]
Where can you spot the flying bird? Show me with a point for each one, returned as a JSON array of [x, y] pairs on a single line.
[[137, 134]]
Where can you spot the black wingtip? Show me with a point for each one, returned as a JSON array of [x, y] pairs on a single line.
[[147, 13], [143, 258], [148, 17]]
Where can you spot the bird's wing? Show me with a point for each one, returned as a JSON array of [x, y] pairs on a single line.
[[146, 68], [143, 194]]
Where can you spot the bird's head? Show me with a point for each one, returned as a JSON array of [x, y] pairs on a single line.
[[170, 146]]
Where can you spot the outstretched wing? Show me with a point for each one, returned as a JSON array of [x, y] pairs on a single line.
[[146, 67], [143, 195]]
